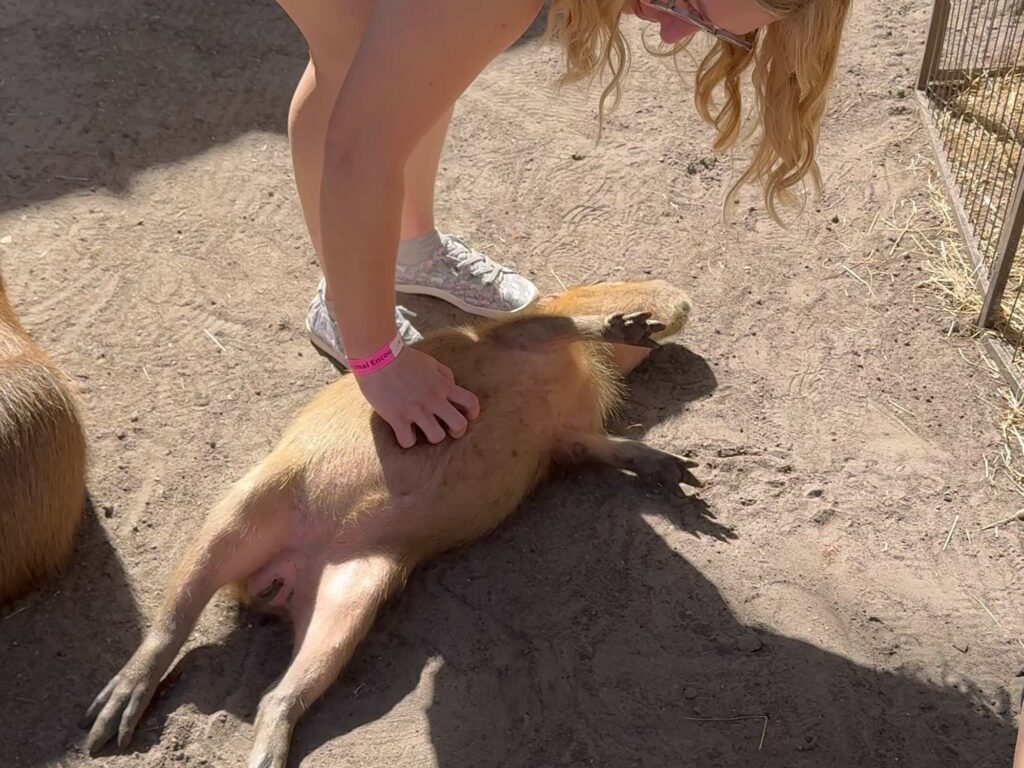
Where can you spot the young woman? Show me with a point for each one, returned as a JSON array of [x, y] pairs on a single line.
[[368, 122]]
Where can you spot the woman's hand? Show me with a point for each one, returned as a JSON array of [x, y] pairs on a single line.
[[415, 389]]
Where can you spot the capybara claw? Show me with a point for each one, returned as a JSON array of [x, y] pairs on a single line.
[[118, 709], [667, 471], [634, 329]]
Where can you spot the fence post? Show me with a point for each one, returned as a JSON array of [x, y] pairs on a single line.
[[1009, 238], [933, 45]]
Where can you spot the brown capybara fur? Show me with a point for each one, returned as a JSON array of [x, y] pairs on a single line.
[[334, 519], [42, 461]]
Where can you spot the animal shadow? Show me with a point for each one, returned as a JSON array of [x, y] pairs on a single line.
[[577, 636], [49, 641]]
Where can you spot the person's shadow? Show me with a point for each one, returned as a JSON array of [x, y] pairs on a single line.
[[575, 635], [111, 88]]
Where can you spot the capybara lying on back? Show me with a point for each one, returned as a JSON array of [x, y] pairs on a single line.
[[42, 461], [332, 522]]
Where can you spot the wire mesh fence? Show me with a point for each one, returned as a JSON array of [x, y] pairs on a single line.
[[971, 89]]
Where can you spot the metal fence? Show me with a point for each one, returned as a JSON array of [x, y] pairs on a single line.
[[971, 90]]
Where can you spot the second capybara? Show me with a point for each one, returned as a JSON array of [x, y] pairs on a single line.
[[42, 460], [333, 521]]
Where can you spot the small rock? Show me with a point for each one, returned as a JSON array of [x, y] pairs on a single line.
[[961, 646], [815, 493], [822, 516], [134, 417], [739, 450], [1001, 703], [121, 434], [835, 219], [947, 497], [749, 643], [807, 743], [961, 683], [690, 693], [108, 511], [578, 156]]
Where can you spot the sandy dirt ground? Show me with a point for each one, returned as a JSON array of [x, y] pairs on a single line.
[[152, 241]]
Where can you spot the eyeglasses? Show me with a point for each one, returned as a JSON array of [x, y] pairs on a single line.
[[691, 15]]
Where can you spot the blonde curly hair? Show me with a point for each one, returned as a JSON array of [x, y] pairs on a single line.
[[793, 61]]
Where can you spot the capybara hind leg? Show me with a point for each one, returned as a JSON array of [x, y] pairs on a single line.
[[538, 333], [243, 532], [654, 466], [328, 628]]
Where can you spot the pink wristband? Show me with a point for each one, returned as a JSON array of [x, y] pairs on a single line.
[[386, 354]]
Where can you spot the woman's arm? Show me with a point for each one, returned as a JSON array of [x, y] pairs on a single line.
[[413, 62]]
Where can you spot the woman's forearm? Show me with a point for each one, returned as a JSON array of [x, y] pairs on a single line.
[[361, 210]]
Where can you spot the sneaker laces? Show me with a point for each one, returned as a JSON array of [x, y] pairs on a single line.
[[477, 263]]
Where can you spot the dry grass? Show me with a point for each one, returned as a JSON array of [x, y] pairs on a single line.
[[981, 122], [951, 273], [952, 277], [982, 125], [1010, 458]]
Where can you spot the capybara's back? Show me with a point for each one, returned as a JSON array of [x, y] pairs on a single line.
[[42, 461]]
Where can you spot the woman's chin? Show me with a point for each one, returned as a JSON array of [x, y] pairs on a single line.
[[675, 31]]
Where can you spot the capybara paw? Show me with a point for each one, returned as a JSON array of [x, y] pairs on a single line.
[[634, 329], [119, 707], [666, 470]]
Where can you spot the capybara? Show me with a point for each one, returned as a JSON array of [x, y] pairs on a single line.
[[42, 460], [332, 522]]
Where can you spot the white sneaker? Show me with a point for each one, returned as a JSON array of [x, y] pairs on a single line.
[[323, 331], [468, 279]]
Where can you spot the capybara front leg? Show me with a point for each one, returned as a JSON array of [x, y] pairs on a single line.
[[634, 330], [539, 333], [328, 628], [659, 468], [242, 533]]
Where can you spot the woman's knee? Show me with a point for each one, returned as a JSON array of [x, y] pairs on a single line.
[[332, 30]]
